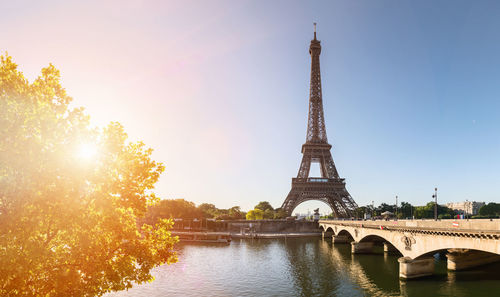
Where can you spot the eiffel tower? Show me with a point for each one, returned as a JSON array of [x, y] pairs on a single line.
[[329, 188]]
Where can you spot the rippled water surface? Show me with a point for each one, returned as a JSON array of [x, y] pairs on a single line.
[[303, 267]]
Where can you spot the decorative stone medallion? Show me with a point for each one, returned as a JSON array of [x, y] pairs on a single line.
[[408, 240]]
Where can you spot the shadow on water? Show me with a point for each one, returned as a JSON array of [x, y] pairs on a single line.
[[479, 281], [323, 269], [374, 275]]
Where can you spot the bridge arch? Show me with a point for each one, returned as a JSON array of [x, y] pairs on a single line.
[[378, 238], [459, 248], [346, 233]]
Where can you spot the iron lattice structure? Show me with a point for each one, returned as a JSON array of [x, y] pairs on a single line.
[[329, 188]]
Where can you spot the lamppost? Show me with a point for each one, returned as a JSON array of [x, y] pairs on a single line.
[[466, 208], [373, 209], [396, 206], [435, 196]]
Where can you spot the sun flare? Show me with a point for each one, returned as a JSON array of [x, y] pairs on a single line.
[[87, 151]]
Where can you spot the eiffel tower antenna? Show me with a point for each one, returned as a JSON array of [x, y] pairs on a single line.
[[329, 188]]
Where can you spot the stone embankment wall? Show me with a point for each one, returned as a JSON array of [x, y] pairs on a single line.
[[273, 226]]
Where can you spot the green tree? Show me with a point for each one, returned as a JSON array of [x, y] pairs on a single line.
[[255, 214], [268, 214], [173, 208], [490, 209], [209, 210], [385, 207], [71, 196], [359, 212], [280, 214], [264, 205], [427, 211], [405, 210], [235, 213]]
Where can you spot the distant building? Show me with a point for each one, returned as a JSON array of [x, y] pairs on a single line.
[[467, 207]]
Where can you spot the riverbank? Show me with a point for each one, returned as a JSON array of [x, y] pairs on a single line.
[[205, 236]]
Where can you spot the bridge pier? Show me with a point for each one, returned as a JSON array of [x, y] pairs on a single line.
[[388, 247], [340, 239], [326, 234], [362, 247], [409, 268], [460, 259]]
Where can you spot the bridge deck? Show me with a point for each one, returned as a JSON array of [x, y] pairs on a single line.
[[467, 228]]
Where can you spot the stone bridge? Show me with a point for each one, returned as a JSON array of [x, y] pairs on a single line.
[[467, 243]]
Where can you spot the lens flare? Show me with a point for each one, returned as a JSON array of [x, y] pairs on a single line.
[[87, 151]]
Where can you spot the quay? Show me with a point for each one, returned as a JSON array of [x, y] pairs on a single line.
[[223, 230], [224, 237]]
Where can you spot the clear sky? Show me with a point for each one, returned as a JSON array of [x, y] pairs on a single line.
[[219, 89]]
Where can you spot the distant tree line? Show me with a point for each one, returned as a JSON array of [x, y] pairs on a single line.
[[490, 210], [264, 210], [180, 208], [406, 210], [183, 209]]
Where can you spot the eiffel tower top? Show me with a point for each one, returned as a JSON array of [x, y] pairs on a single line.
[[316, 131]]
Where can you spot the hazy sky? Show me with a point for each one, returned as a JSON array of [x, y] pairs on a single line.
[[220, 90]]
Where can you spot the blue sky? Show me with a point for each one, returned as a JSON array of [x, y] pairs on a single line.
[[220, 90]]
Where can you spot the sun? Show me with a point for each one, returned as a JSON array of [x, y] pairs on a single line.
[[87, 151]]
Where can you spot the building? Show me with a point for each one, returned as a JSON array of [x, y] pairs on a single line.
[[467, 207]]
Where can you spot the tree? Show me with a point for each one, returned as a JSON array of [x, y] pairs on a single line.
[[385, 207], [236, 213], [264, 205], [427, 211], [209, 210], [255, 214], [268, 214], [70, 196], [359, 212], [405, 211], [280, 214], [490, 209], [173, 208]]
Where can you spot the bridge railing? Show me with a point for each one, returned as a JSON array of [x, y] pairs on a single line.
[[455, 226]]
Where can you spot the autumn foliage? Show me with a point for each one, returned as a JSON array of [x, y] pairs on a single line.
[[68, 223]]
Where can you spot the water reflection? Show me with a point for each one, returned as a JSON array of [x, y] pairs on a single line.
[[311, 269], [355, 268], [302, 267]]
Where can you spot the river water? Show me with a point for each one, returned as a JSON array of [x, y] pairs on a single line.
[[303, 267]]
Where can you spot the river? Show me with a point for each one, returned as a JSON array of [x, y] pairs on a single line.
[[303, 267]]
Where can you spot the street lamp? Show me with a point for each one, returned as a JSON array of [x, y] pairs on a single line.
[[435, 196], [373, 209], [466, 208], [396, 206]]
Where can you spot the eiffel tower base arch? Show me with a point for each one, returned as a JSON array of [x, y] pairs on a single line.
[[328, 190]]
